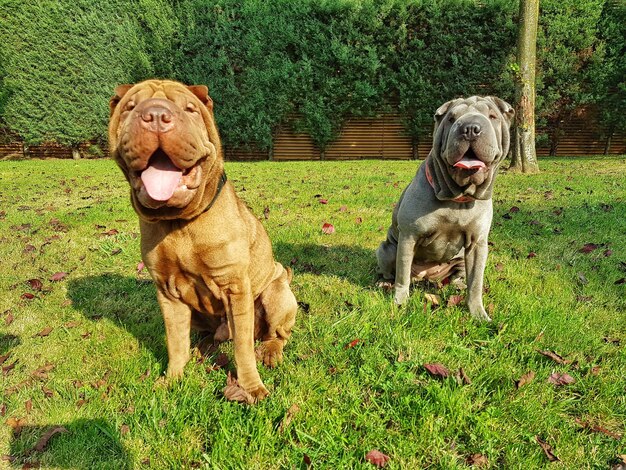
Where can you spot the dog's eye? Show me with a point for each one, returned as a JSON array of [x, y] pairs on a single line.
[[493, 116], [130, 106], [451, 119], [191, 108]]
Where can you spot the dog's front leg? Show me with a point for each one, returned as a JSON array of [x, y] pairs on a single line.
[[177, 318], [475, 261], [404, 260], [240, 313]]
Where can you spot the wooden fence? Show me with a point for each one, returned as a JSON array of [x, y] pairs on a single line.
[[381, 137]]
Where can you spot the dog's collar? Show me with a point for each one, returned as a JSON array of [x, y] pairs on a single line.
[[429, 177], [220, 185]]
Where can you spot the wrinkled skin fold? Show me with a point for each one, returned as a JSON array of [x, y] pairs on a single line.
[[441, 223], [213, 267]]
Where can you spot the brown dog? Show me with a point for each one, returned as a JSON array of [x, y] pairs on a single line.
[[210, 258]]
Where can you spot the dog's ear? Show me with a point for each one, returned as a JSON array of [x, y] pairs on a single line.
[[202, 93], [120, 91], [443, 109], [505, 108]]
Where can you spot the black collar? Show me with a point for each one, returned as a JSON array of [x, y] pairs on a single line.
[[220, 185]]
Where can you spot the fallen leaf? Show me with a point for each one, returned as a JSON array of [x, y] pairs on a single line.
[[514, 209], [358, 220], [588, 248], [377, 458], [307, 460], [124, 429], [27, 296], [291, 412], [35, 284], [620, 281], [16, 424], [234, 392], [328, 228], [47, 392], [145, 375], [29, 248], [80, 402], [432, 298], [43, 440], [532, 254], [4, 358], [455, 300], [117, 251], [554, 356], [607, 253], [8, 368], [477, 460], [559, 379], [547, 449], [42, 372], [3, 409], [221, 360], [58, 276], [71, 324], [110, 233], [465, 380], [438, 370], [352, 344], [8, 319], [499, 267], [323, 201], [525, 379], [45, 332], [266, 212], [140, 266], [343, 208], [598, 428]]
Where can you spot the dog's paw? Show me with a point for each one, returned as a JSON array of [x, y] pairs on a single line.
[[480, 314], [174, 372], [401, 296], [235, 392], [270, 352]]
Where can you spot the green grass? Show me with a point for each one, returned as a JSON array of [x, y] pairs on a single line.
[[107, 331]]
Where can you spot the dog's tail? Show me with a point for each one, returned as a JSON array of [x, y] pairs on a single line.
[[289, 274]]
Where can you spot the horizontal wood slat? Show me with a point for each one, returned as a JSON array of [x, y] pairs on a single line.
[[291, 146], [235, 154], [378, 137]]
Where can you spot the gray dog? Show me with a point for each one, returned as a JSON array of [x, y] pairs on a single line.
[[442, 221]]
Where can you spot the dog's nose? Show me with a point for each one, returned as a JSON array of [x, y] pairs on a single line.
[[157, 118], [472, 130]]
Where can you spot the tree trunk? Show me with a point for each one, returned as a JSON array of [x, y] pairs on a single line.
[[524, 155]]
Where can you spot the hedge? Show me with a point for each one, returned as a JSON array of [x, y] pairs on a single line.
[[307, 64]]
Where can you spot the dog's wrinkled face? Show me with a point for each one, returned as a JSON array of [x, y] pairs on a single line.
[[163, 136], [471, 138]]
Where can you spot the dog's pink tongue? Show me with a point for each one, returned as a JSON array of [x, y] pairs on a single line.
[[470, 163], [161, 178]]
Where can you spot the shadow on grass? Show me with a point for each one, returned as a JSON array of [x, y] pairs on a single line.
[[87, 443], [129, 302], [8, 342], [353, 263]]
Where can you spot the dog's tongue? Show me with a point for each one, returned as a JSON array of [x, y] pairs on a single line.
[[161, 178], [469, 163]]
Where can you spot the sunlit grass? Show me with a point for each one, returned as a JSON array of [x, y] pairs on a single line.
[[108, 351]]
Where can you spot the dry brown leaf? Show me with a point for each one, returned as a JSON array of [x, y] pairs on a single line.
[[4, 358], [554, 356], [559, 379], [3, 409], [58, 276], [8, 368], [43, 440], [547, 449], [597, 428], [433, 298], [47, 392], [16, 424], [234, 392], [437, 370], [455, 300], [525, 379], [45, 332], [477, 460], [42, 372], [8, 319], [124, 429], [71, 324], [291, 412], [377, 458], [465, 380], [28, 404], [145, 375]]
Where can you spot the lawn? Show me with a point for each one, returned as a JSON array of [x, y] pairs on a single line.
[[86, 351]]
